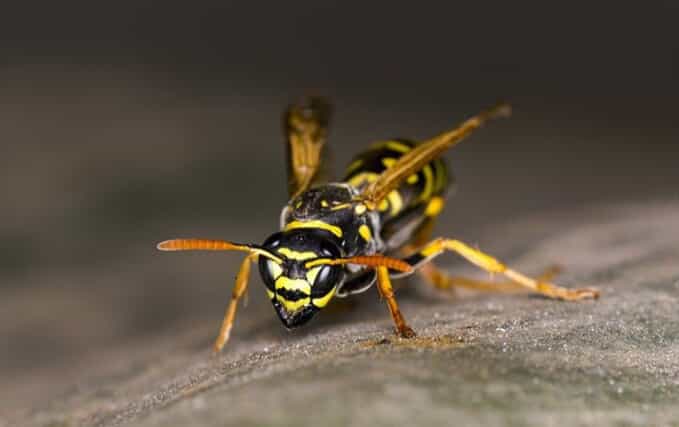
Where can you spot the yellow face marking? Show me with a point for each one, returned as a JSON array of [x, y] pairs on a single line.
[[324, 203], [293, 285], [412, 179], [323, 301], [318, 261], [428, 182], [292, 306], [311, 274], [364, 231], [360, 209], [270, 294], [300, 256], [314, 224], [274, 269], [434, 206], [298, 204], [397, 146], [383, 206]]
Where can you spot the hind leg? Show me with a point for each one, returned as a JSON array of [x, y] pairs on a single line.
[[493, 266], [441, 280]]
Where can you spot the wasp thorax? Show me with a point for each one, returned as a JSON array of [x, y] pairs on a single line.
[[297, 287]]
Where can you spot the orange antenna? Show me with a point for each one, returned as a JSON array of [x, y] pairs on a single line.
[[213, 245], [369, 260]]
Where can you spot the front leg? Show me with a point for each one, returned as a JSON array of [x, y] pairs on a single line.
[[238, 291], [387, 292]]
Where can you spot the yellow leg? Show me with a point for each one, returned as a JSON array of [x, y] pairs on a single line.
[[492, 265], [238, 292], [384, 286], [443, 281]]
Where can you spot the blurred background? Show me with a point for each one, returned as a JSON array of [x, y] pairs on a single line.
[[126, 123]]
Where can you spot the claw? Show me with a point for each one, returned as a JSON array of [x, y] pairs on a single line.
[[406, 331]]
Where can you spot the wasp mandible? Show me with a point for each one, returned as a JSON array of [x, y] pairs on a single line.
[[339, 238]]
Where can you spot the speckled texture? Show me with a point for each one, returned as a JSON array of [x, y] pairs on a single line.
[[480, 359]]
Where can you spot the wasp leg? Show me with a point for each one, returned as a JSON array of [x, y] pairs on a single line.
[[237, 293], [443, 281], [387, 292], [492, 265]]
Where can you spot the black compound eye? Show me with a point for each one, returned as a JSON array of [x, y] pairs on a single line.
[[329, 250], [323, 278], [323, 275], [273, 241]]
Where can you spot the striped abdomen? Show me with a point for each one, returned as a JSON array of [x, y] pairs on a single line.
[[417, 191]]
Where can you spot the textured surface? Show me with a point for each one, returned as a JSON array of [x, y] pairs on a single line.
[[478, 360]]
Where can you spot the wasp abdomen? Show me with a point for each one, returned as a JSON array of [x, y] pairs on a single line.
[[417, 190]]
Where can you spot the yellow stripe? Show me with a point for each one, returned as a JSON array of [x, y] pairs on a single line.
[[434, 206], [364, 231], [397, 146], [300, 256], [292, 306], [388, 161], [314, 224], [428, 182], [270, 294], [354, 165], [340, 206], [395, 201], [293, 285], [362, 178], [323, 301]]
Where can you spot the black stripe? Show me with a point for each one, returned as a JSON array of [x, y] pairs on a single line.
[[291, 295]]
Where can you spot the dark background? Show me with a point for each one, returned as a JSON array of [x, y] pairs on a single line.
[[122, 125]]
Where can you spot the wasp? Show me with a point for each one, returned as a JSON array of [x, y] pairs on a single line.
[[375, 225]]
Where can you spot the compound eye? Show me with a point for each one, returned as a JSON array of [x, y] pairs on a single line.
[[318, 275], [323, 278], [273, 241], [329, 250]]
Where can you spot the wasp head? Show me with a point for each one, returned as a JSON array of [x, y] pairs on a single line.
[[297, 287]]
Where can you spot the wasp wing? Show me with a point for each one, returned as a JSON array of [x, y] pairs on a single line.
[[424, 153], [305, 125]]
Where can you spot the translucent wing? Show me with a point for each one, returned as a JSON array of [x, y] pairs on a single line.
[[305, 125], [425, 152]]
